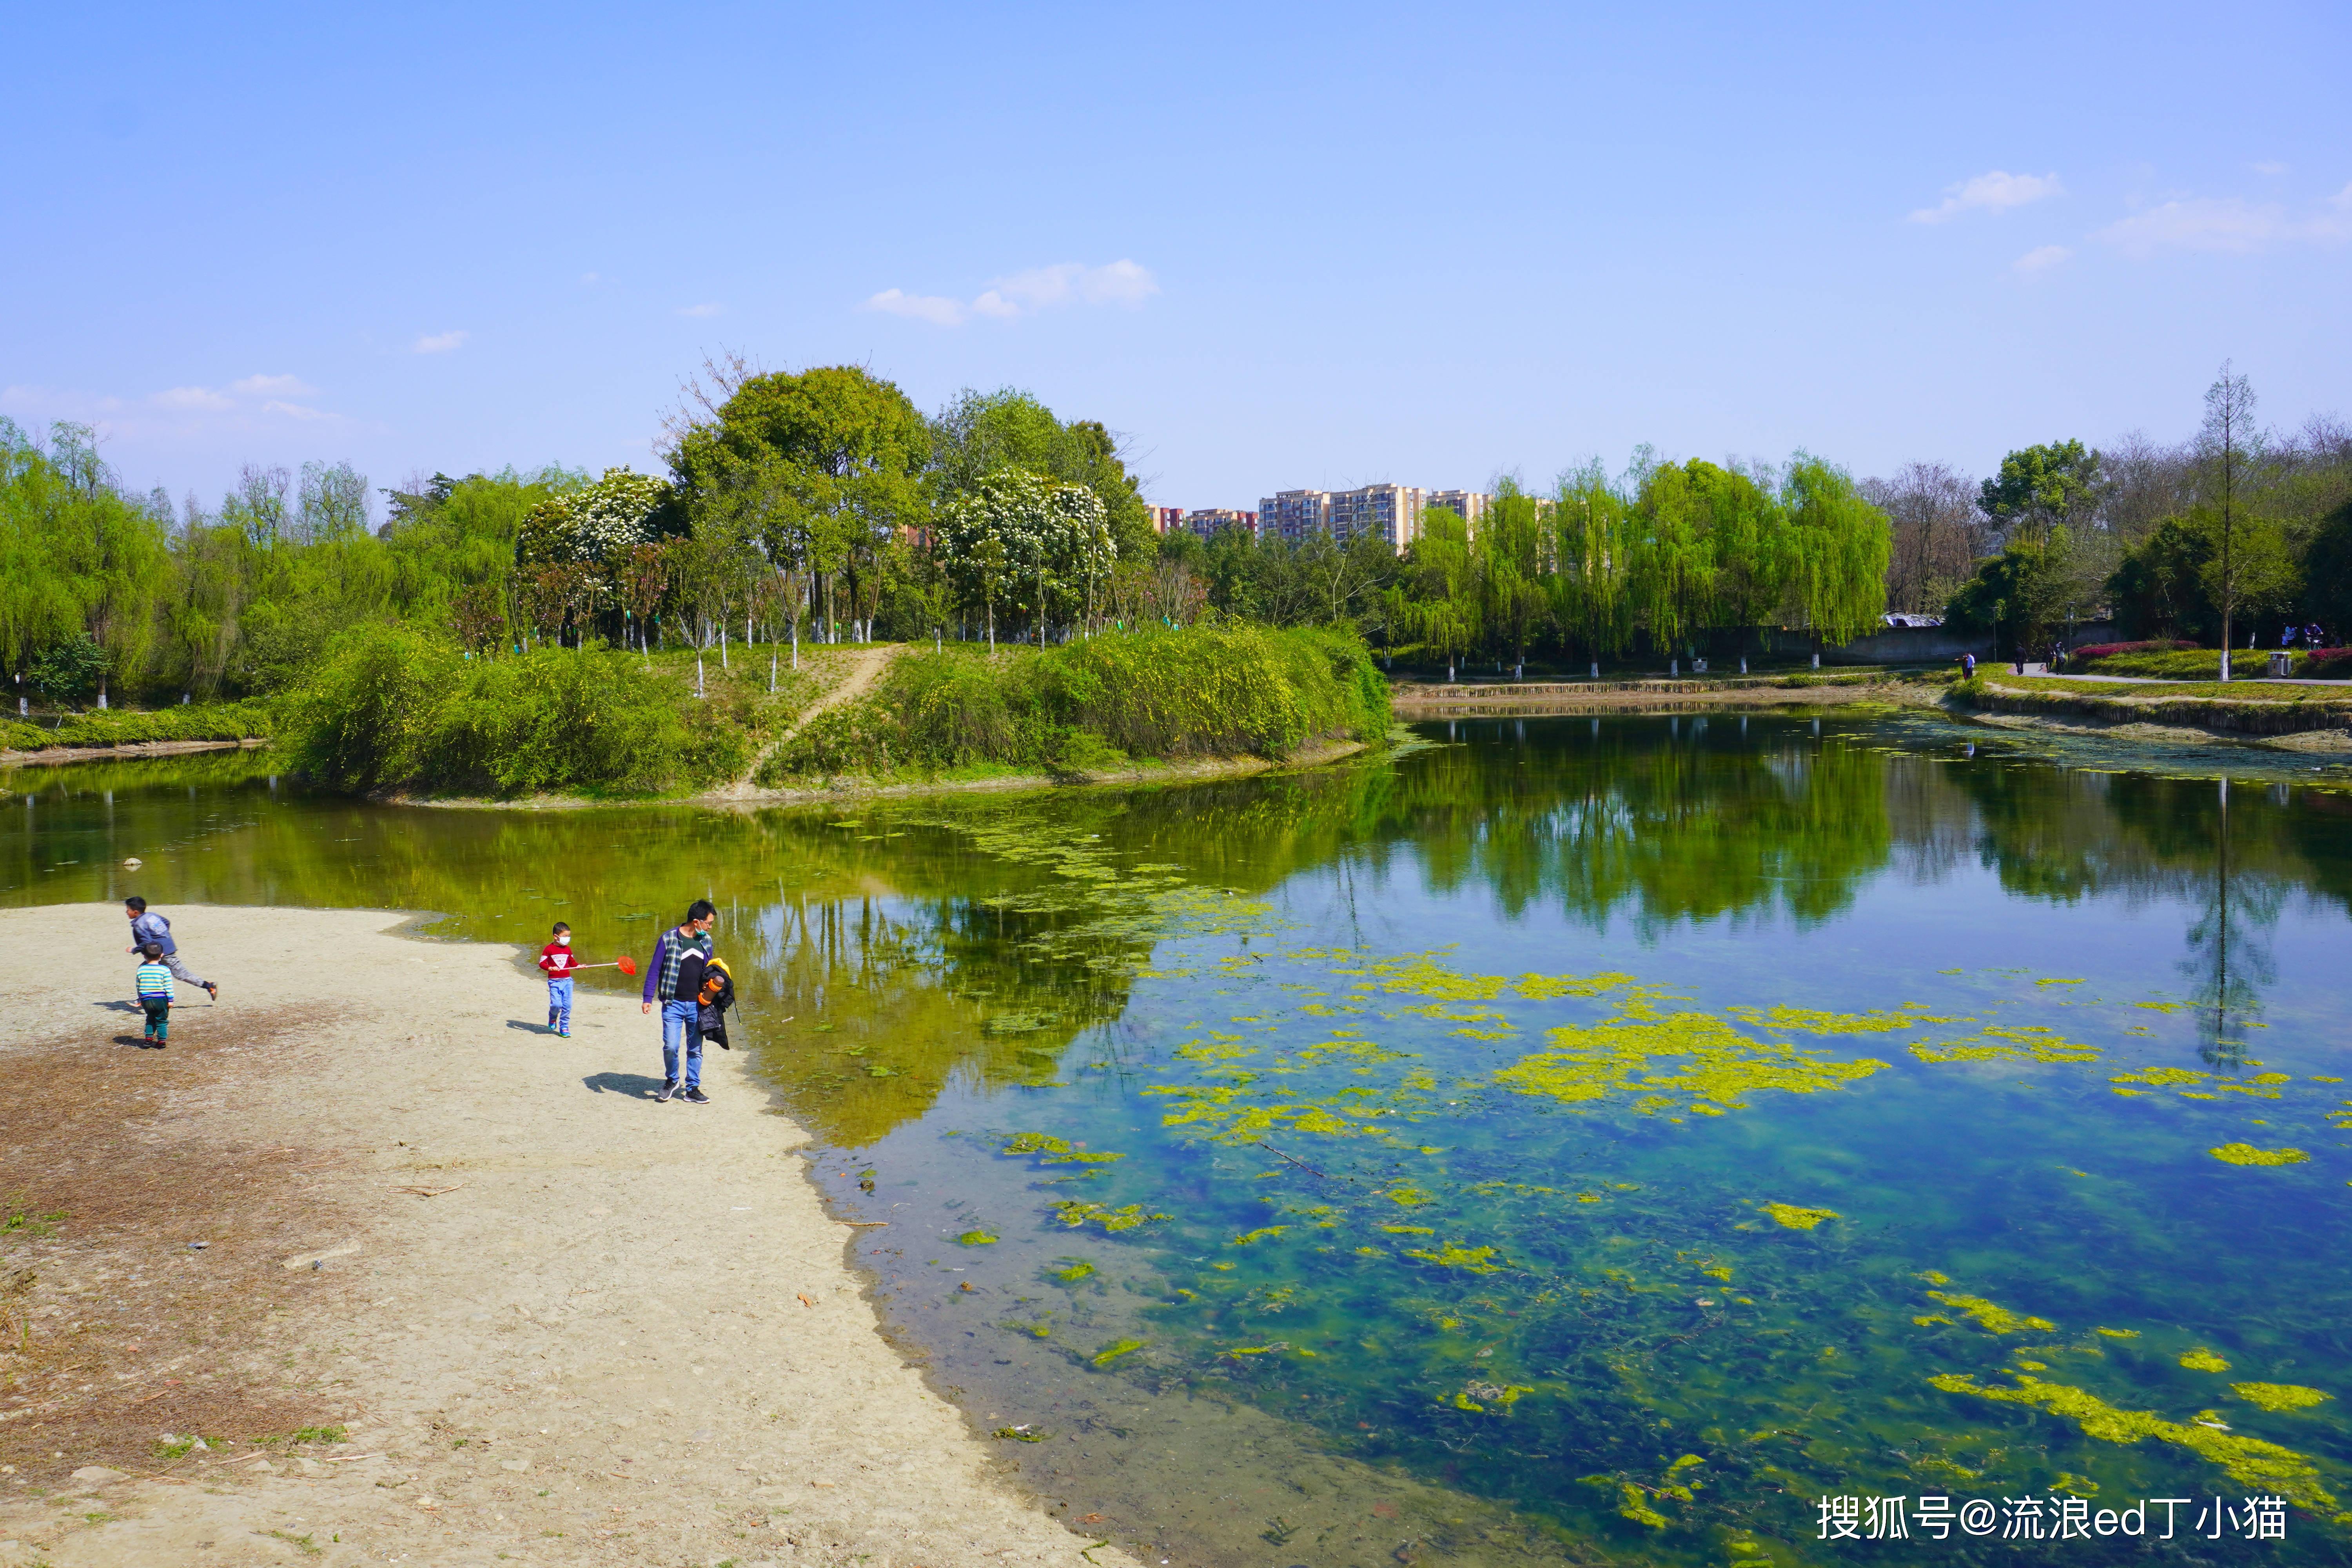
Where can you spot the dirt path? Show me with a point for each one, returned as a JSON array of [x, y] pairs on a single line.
[[866, 668], [433, 1285]]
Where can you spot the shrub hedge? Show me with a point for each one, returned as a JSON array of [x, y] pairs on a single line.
[[121, 727], [1202, 692], [392, 709]]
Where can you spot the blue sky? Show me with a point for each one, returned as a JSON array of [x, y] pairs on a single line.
[[1275, 244]]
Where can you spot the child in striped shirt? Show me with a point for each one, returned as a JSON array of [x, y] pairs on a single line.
[[155, 991]]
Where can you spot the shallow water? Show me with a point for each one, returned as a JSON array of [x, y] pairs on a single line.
[[1571, 1139]]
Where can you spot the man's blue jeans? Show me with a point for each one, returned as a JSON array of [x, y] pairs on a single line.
[[682, 1026]]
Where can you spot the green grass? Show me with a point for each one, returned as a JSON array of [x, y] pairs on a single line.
[[122, 727], [2200, 664], [1104, 701], [2233, 691], [393, 709]]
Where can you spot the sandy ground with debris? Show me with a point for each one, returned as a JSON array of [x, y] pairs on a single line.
[[556, 1321]]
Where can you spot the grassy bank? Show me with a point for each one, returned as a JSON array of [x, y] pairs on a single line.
[[116, 727], [2240, 708], [2205, 664], [1202, 692], [394, 709]]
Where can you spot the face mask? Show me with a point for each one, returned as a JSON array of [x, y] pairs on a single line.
[[566, 939]]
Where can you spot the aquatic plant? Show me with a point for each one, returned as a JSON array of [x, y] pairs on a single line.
[[2276, 1396], [1057, 1151], [1078, 1212], [1713, 1064], [2249, 1461], [1258, 1235], [1078, 1270], [2247, 1154], [979, 1238], [2202, 1359], [1796, 1218], [1469, 1259], [1116, 1349], [1991, 1318]]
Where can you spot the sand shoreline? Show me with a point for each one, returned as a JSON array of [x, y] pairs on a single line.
[[557, 1321]]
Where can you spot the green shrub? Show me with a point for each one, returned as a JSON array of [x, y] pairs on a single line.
[[391, 708], [119, 727], [1213, 691]]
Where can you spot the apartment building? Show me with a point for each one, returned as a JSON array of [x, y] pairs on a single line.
[[1164, 518], [1209, 522], [1294, 515], [1471, 505]]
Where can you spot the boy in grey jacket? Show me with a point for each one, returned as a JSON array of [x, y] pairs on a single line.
[[146, 927]]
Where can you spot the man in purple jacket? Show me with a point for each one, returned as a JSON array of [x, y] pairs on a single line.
[[682, 1024]]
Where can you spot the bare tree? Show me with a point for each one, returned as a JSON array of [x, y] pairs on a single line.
[[1939, 533], [2228, 442]]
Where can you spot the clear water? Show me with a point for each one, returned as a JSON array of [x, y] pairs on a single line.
[[1568, 1140]]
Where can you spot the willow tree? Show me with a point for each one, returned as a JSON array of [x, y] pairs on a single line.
[[1510, 550], [1592, 554], [1673, 569], [1840, 544], [1749, 538]]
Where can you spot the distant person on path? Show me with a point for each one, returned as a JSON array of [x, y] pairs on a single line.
[[155, 993], [1968, 667], [681, 1014], [556, 958], [147, 928]]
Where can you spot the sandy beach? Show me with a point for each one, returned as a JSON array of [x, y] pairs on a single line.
[[431, 1285]]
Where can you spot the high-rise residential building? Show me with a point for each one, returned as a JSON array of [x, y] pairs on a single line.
[[1470, 504], [1390, 513], [1210, 522], [1164, 518], [1294, 515]]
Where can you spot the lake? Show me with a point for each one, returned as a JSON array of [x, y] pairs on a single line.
[[1633, 1140]]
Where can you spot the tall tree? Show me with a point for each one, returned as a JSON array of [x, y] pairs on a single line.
[[2041, 488], [2228, 443]]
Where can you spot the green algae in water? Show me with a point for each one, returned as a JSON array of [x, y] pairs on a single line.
[[1706, 1064], [1796, 1218], [1116, 1349], [1468, 1260], [1076, 1212], [1077, 1269], [2247, 1154], [2202, 1359], [2276, 1396], [979, 1238], [1991, 1317], [2249, 1461]]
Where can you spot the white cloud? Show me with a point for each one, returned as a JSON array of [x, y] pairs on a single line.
[[932, 308], [274, 386], [2225, 224], [2274, 170], [700, 309], [1121, 282], [439, 343], [195, 400], [2042, 258], [1995, 192], [2229, 225], [297, 411]]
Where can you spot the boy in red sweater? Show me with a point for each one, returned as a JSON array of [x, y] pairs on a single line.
[[557, 958]]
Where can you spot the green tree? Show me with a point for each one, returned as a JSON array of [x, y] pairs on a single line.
[[1839, 543], [821, 468], [2041, 488]]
